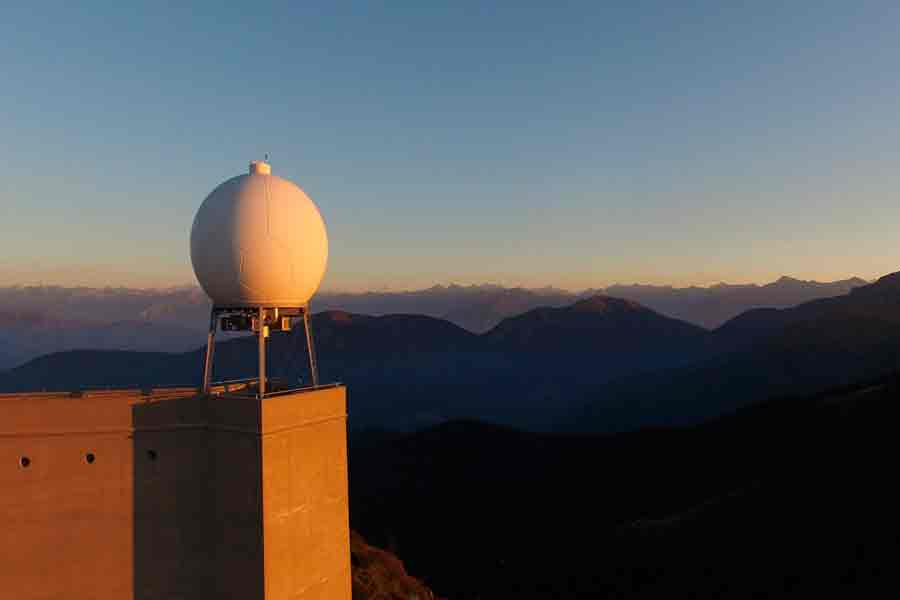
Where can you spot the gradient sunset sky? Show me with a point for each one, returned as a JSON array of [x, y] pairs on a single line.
[[552, 143]]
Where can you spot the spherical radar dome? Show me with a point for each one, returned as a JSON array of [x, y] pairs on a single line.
[[258, 240]]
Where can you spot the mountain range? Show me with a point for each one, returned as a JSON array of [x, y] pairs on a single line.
[[36, 320], [599, 364], [410, 371], [479, 308], [826, 342], [712, 306]]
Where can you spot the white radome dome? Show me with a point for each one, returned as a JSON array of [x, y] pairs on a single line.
[[258, 240]]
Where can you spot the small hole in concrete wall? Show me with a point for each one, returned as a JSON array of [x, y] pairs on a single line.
[[89, 457], [151, 454], [25, 461]]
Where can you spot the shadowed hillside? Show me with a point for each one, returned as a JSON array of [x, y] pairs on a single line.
[[783, 499]]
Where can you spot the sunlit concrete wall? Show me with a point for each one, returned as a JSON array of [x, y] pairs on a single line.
[[173, 495]]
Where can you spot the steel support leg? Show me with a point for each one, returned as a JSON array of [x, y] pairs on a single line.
[[210, 350], [262, 352], [310, 347]]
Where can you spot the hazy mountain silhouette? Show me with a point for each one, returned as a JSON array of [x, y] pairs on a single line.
[[180, 313], [600, 364], [483, 313], [356, 339], [175, 305], [479, 308], [802, 349], [474, 307], [36, 320], [712, 306], [24, 335], [409, 371], [339, 332], [595, 325], [788, 498]]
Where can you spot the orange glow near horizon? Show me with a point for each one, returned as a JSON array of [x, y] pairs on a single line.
[[110, 276]]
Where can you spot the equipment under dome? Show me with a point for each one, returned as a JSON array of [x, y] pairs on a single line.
[[259, 250]]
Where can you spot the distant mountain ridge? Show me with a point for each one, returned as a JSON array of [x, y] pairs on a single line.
[[35, 320], [481, 307], [715, 305], [596, 322], [413, 370], [608, 364], [25, 335], [798, 350]]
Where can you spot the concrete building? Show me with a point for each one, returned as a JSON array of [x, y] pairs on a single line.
[[166, 494]]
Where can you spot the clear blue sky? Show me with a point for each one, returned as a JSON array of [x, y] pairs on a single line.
[[572, 144]]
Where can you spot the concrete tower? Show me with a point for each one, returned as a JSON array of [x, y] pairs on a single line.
[[228, 490]]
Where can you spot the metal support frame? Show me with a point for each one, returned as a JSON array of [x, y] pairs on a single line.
[[261, 315]]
